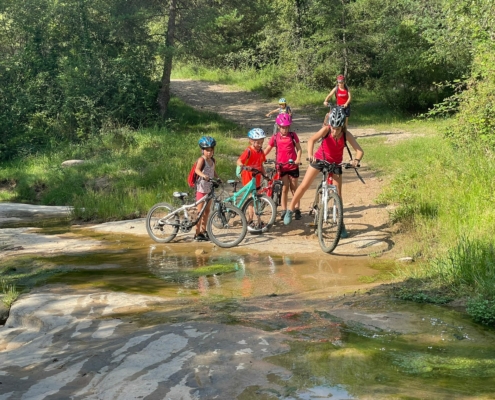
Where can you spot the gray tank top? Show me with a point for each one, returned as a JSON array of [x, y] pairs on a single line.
[[209, 170]]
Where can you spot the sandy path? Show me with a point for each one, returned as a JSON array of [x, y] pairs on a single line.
[[366, 221]]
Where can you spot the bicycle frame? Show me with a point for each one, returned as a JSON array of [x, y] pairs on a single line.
[[239, 197], [273, 184], [184, 208]]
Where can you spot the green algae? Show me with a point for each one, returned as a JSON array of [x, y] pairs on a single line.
[[370, 365]]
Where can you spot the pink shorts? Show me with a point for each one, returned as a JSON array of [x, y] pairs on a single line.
[[200, 195]]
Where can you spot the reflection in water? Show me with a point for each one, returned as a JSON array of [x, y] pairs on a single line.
[[242, 276]]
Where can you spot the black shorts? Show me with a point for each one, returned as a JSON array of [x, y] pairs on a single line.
[[347, 111], [337, 169], [293, 172]]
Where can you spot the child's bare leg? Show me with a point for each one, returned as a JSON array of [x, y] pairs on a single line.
[[285, 192], [204, 219], [199, 207], [308, 179], [294, 183]]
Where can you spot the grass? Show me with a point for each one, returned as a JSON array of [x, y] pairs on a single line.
[[443, 198], [126, 171]]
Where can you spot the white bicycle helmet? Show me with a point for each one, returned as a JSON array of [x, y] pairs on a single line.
[[256, 133], [337, 118]]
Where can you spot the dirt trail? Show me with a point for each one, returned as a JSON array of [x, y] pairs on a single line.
[[366, 221]]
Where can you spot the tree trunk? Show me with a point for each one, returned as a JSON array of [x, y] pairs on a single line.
[[164, 93], [345, 53]]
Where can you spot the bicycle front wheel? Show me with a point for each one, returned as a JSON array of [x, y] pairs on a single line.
[[330, 225], [161, 226], [260, 213], [226, 225]]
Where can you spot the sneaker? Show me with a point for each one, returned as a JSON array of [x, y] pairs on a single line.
[[282, 214], [253, 227], [343, 233], [200, 237], [288, 217], [297, 214]]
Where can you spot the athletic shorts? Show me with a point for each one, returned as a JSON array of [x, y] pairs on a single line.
[[293, 172], [337, 170], [200, 195]]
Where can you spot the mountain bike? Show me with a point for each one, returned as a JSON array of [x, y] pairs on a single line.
[[272, 186], [247, 198], [327, 207], [226, 225]]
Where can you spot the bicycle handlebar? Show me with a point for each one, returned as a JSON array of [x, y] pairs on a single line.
[[255, 171], [290, 162], [342, 164]]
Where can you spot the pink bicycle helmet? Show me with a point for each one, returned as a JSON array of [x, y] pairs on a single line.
[[283, 120]]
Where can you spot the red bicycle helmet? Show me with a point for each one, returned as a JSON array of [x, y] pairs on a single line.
[[283, 120], [340, 78]]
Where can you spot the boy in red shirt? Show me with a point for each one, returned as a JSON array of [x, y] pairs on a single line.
[[287, 148], [253, 157]]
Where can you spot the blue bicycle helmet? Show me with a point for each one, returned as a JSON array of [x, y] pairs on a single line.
[[256, 133], [282, 101], [337, 118], [207, 141]]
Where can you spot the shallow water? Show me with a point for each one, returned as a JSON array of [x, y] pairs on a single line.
[[435, 352]]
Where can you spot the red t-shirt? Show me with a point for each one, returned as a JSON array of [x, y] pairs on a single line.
[[286, 148], [342, 96], [330, 149], [252, 158]]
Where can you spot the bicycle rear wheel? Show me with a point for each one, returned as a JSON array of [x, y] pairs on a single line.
[[329, 228], [160, 228], [226, 225], [260, 213]]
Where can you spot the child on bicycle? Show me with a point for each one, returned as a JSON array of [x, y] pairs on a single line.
[[287, 148], [253, 157], [334, 139], [205, 170], [282, 109], [343, 98]]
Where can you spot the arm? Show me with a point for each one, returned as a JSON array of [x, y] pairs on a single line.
[[349, 99], [313, 139], [267, 150], [289, 111], [355, 145], [329, 96], [199, 167], [272, 112], [299, 153]]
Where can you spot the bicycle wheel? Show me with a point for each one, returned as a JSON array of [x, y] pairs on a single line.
[[160, 228], [260, 214], [329, 228], [226, 225], [277, 193]]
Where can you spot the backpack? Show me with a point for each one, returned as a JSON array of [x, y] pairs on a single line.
[[192, 178]]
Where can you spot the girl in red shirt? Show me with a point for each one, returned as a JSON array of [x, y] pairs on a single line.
[[343, 97], [331, 150], [287, 148]]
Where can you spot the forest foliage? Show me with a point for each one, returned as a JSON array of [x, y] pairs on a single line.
[[72, 68]]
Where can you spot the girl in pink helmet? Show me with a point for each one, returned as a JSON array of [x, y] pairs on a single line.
[[287, 148]]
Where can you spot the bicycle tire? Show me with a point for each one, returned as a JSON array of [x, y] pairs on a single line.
[[329, 230], [159, 232], [232, 222], [276, 199], [265, 213]]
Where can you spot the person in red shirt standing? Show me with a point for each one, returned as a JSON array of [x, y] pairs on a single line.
[[343, 98], [253, 157], [287, 148]]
